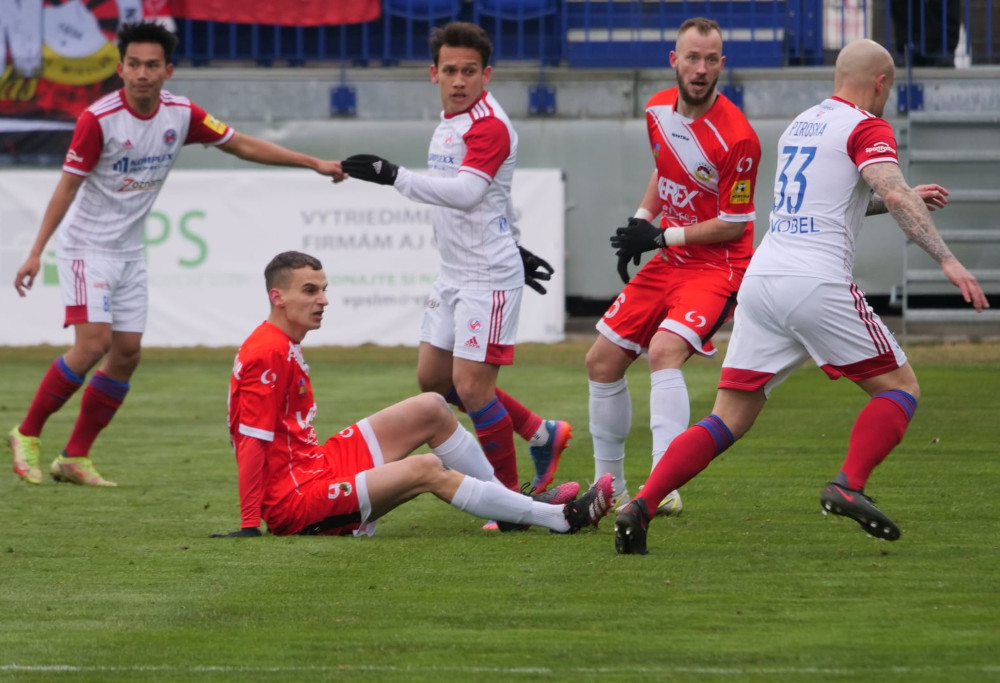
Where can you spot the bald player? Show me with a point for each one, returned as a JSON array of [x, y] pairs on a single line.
[[837, 163]]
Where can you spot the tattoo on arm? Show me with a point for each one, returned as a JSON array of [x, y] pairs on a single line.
[[906, 207]]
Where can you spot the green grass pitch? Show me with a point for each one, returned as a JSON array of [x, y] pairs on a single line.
[[751, 583]]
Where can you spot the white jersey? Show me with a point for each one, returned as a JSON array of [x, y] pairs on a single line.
[[126, 158], [820, 197], [478, 246]]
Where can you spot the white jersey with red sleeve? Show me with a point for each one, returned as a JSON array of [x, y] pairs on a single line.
[[478, 247], [820, 197], [271, 400], [126, 158], [706, 168]]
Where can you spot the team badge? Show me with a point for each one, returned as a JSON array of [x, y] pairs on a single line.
[[703, 173], [170, 137], [475, 324]]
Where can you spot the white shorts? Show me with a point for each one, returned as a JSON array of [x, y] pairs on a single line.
[[475, 324], [102, 291], [783, 320]]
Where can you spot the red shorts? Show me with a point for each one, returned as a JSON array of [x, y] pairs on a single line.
[[692, 302], [333, 504]]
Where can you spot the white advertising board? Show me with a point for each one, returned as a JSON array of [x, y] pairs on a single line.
[[211, 233]]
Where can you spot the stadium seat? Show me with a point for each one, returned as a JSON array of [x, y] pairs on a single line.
[[407, 24], [522, 29]]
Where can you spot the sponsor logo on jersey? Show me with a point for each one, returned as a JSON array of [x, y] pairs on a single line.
[[475, 324], [268, 376], [334, 491], [675, 194], [703, 173], [695, 319], [214, 124], [880, 148], [169, 137], [72, 156], [133, 185], [471, 343], [127, 145], [740, 194]]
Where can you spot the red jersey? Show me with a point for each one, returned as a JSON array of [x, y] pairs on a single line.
[[706, 168], [271, 400]]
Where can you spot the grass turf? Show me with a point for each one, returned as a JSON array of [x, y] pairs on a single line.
[[750, 582]]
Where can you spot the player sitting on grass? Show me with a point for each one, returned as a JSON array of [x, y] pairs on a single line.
[[301, 486]]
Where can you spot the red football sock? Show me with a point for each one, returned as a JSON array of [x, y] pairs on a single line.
[[525, 422], [58, 384], [688, 454], [100, 402], [496, 435], [877, 430]]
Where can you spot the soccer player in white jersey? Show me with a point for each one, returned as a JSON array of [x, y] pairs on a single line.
[[341, 486], [799, 301], [705, 157], [470, 322], [122, 150]]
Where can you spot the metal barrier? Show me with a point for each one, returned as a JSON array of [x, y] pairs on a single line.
[[620, 33]]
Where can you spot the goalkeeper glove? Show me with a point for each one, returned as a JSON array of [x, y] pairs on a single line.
[[535, 268], [369, 167], [245, 532]]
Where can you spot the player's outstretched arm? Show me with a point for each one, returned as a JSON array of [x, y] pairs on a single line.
[[249, 148], [910, 212]]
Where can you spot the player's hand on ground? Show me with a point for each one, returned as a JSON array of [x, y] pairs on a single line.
[[959, 276], [369, 167], [633, 240], [934, 196], [245, 532], [25, 277], [535, 268]]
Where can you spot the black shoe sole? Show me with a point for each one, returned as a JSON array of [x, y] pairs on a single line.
[[626, 542], [879, 527]]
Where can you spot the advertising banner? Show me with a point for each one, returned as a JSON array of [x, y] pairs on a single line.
[[211, 233]]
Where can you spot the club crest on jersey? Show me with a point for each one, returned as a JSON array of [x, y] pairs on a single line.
[[475, 324], [703, 173], [169, 137]]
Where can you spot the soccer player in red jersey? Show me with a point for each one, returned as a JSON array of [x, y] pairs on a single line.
[[799, 301], [299, 485], [705, 157], [123, 148]]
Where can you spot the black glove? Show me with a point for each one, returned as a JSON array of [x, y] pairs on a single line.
[[371, 168], [535, 268], [632, 241], [245, 532]]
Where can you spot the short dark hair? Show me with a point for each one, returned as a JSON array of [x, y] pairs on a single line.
[[702, 24], [277, 271], [147, 32], [461, 34]]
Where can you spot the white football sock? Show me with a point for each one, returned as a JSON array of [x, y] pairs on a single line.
[[669, 409], [610, 420], [462, 453], [492, 500]]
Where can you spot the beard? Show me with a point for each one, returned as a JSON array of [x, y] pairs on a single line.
[[690, 99]]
